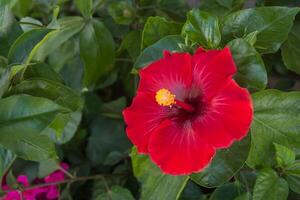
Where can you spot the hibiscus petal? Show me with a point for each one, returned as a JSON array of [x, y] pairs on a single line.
[[228, 117], [179, 150], [213, 69], [142, 117], [172, 72]]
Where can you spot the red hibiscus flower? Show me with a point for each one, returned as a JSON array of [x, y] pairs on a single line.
[[186, 107]]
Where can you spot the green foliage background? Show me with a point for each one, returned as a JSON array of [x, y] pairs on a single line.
[[69, 67]]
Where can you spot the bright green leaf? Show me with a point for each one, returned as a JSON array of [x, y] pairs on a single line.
[[292, 175], [84, 6], [269, 186], [251, 69], [224, 165], [157, 28], [155, 51], [284, 155], [155, 184], [22, 47], [271, 23], [203, 28], [276, 119]]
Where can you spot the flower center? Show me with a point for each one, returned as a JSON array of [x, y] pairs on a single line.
[[166, 98]]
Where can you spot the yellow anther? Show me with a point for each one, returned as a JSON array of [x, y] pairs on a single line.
[[164, 97]]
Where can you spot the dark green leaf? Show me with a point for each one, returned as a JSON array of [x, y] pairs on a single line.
[[228, 191], [22, 47], [155, 184], [221, 7], [4, 81], [107, 135], [203, 28], [224, 165], [97, 51], [271, 23], [122, 11], [116, 193], [251, 69], [9, 30], [192, 191], [292, 175], [269, 186], [114, 108], [84, 6], [284, 155], [47, 167], [290, 50], [132, 43], [155, 51], [276, 119], [22, 119], [6, 160], [157, 28]]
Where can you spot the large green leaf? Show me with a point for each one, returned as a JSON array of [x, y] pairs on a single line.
[[6, 160], [22, 119], [97, 50], [157, 28], [22, 47], [221, 7], [228, 191], [69, 27], [251, 69], [155, 184], [276, 119], [203, 28], [271, 23], [269, 186], [290, 50], [9, 30], [155, 51], [224, 165], [292, 175], [64, 126]]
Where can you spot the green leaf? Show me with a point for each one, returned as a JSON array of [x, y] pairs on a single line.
[[55, 38], [203, 28], [9, 30], [276, 119], [157, 28], [84, 6], [132, 43], [114, 108], [284, 155], [292, 175], [21, 7], [47, 167], [271, 23], [107, 135], [97, 49], [155, 184], [42, 70], [6, 160], [155, 51], [224, 165], [228, 191], [22, 47], [251, 69], [122, 12], [290, 50], [116, 193], [22, 119], [4, 81], [192, 192], [269, 186], [221, 7]]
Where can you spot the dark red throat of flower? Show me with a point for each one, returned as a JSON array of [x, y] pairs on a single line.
[[165, 98]]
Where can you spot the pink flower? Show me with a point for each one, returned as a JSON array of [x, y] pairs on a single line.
[[42, 193]]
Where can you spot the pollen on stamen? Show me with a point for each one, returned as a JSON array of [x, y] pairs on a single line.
[[164, 97]]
